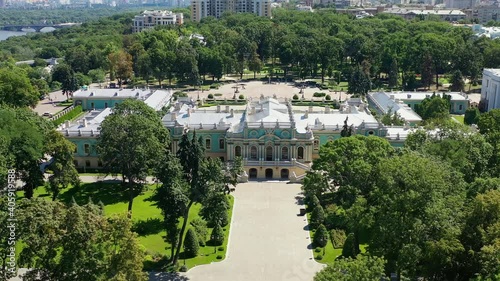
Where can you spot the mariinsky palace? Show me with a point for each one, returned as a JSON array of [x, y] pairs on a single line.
[[275, 139]]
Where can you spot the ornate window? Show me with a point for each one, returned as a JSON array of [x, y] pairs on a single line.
[[86, 148], [253, 153], [221, 143], [300, 153], [269, 153], [284, 153], [316, 144], [237, 151], [208, 145]]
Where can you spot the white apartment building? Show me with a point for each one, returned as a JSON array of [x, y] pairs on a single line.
[[204, 8], [490, 91], [150, 19]]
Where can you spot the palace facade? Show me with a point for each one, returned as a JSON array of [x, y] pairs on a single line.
[[276, 140]]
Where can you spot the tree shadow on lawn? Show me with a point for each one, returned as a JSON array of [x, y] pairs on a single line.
[[148, 226], [107, 193]]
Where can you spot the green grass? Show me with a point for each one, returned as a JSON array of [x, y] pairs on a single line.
[[331, 253], [72, 114], [116, 201], [459, 118]]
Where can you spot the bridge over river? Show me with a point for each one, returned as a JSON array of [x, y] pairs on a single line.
[[36, 27]]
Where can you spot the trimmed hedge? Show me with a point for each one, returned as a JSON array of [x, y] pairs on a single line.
[[319, 94], [69, 116]]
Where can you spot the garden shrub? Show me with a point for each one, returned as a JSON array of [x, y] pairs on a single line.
[[218, 95], [210, 96], [241, 97], [319, 257], [318, 95], [338, 237], [295, 97], [217, 236], [317, 217], [350, 249], [191, 245], [320, 238], [183, 268], [220, 249], [219, 257], [200, 227], [328, 97], [317, 250]]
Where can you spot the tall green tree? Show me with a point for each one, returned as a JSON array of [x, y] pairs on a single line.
[[66, 76], [349, 162], [132, 141], [121, 62], [471, 116], [16, 89], [360, 83], [23, 133], [63, 169], [457, 81], [79, 243], [438, 195]]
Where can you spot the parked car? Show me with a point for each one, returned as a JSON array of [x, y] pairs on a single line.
[[47, 114]]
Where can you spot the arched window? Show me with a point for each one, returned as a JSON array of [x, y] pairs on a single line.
[[284, 153], [300, 153], [253, 153], [207, 144], [221, 143], [316, 144], [237, 151], [87, 163], [269, 153]]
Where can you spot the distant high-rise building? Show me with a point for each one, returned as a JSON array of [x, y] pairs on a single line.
[[460, 4], [204, 8], [150, 19]]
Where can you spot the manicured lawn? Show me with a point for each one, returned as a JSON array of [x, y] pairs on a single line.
[[331, 253], [147, 219], [459, 118]]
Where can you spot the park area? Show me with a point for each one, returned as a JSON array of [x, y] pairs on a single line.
[[147, 220]]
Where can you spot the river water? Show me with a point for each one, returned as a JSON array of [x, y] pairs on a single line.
[[6, 34]]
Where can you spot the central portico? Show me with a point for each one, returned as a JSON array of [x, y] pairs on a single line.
[[275, 140]]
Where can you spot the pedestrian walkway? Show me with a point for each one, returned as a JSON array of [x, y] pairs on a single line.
[[268, 240]]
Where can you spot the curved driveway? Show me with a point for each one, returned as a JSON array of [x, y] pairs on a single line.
[[268, 240]]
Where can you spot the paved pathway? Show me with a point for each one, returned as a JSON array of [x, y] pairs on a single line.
[[267, 241], [254, 89]]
